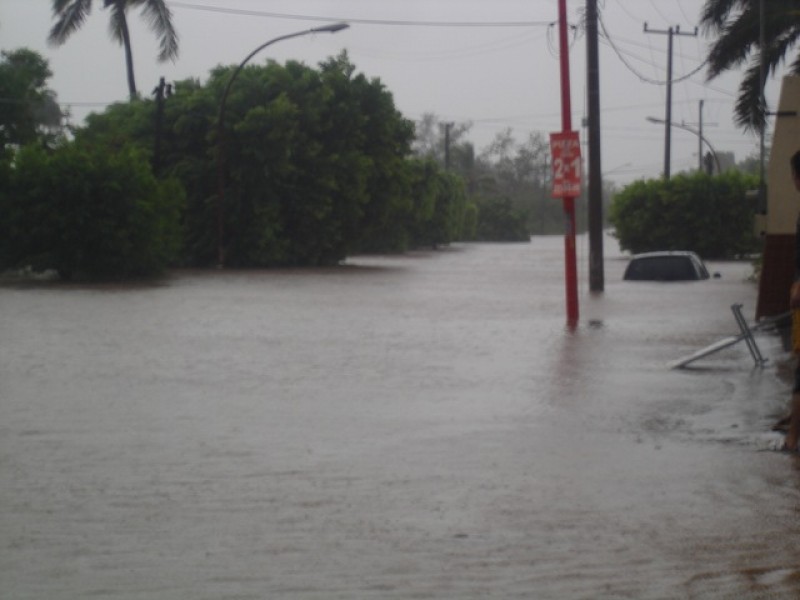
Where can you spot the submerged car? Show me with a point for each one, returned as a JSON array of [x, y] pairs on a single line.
[[666, 266]]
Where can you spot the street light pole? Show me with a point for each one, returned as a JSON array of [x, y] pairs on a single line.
[[700, 140], [699, 135], [333, 28]]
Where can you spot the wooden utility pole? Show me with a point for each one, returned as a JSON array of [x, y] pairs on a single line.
[[162, 91], [596, 274], [447, 128], [671, 32]]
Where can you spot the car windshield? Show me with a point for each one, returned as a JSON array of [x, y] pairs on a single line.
[[664, 268]]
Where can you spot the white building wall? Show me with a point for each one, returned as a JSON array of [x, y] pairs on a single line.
[[783, 201]]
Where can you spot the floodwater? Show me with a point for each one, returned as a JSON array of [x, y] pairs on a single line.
[[422, 426]]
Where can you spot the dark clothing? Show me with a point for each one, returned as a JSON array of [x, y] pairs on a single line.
[[796, 389], [797, 250]]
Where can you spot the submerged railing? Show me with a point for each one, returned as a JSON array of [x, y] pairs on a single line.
[[746, 336]]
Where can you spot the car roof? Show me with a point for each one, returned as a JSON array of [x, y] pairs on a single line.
[[667, 265], [665, 253]]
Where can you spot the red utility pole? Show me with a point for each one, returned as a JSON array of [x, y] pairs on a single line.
[[571, 271]]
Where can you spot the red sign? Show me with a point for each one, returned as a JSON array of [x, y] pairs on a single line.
[[565, 148]]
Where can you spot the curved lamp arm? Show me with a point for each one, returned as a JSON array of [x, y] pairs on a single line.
[[333, 28], [697, 133]]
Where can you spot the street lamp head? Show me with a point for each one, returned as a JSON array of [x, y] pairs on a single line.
[[333, 28], [696, 132]]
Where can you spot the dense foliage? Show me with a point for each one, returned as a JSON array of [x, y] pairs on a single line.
[[708, 215], [28, 108], [316, 166], [500, 221], [508, 183], [309, 166], [84, 214]]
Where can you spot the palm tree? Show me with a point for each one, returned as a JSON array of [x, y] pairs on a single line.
[[71, 14], [737, 24]]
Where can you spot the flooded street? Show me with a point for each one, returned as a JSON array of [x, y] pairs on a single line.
[[422, 426]]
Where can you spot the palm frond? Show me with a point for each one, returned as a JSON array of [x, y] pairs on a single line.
[[70, 16], [737, 24], [795, 66], [716, 13], [159, 18], [117, 22], [780, 48], [750, 112], [738, 38]]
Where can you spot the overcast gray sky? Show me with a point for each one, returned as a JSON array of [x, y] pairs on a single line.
[[500, 71]]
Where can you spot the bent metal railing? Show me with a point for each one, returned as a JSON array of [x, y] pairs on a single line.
[[746, 336]]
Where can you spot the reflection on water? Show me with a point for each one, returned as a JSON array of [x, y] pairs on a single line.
[[418, 426]]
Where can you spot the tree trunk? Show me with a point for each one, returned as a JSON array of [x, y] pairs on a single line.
[[126, 42]]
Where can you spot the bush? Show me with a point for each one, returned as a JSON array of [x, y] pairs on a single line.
[[88, 214], [499, 221], [708, 215]]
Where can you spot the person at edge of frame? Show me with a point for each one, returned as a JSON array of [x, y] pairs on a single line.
[[793, 431]]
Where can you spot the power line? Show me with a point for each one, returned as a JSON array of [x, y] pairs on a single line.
[[391, 22], [630, 67], [452, 54], [671, 33], [60, 102], [655, 7], [683, 12], [90, 104]]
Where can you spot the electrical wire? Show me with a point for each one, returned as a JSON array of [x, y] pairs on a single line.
[[452, 54], [391, 22], [683, 12], [630, 67], [661, 14]]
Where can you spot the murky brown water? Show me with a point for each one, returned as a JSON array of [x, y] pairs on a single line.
[[401, 427]]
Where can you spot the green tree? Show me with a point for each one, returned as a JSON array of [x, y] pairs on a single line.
[[500, 221], [439, 140], [446, 144], [316, 161], [751, 163], [708, 215], [71, 14], [188, 153], [737, 23], [517, 173], [28, 110], [89, 214], [451, 209], [366, 129], [439, 205]]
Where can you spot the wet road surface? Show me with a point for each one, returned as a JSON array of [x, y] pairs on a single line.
[[421, 426]]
